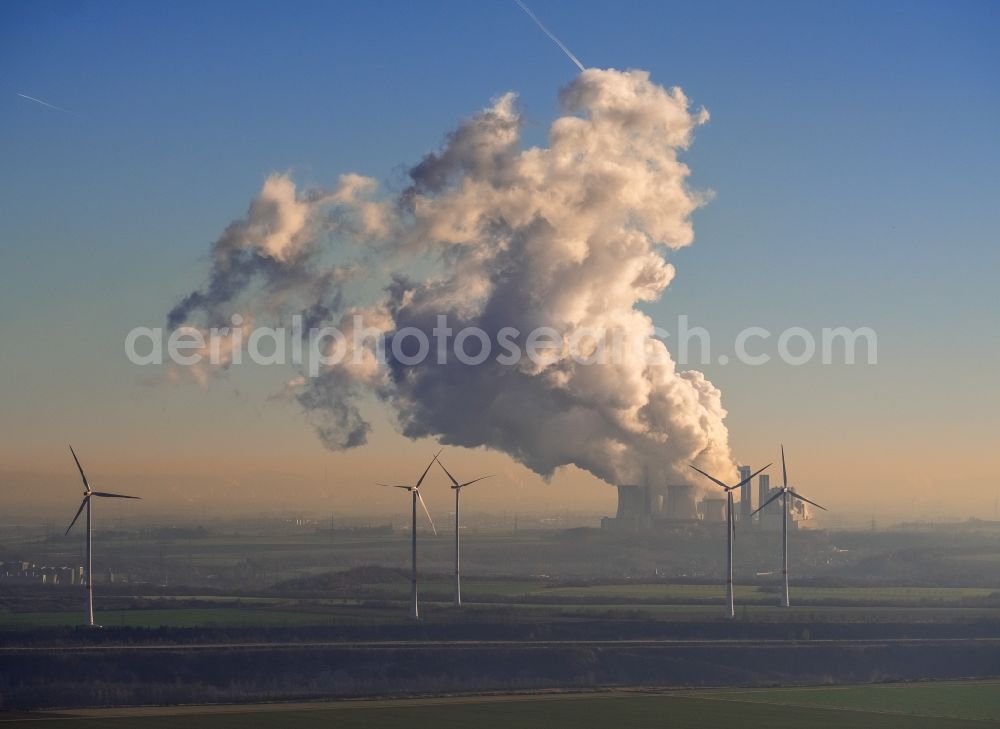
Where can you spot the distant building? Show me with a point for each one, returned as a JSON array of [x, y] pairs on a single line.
[[643, 506], [770, 517], [713, 508], [26, 573], [648, 505], [746, 501], [763, 489], [682, 502]]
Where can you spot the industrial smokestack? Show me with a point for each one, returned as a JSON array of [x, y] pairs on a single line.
[[746, 501], [763, 492]]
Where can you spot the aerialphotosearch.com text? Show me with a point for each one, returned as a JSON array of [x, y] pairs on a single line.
[[442, 344]]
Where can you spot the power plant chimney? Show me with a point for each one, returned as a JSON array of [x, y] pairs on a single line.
[[763, 492], [746, 501]]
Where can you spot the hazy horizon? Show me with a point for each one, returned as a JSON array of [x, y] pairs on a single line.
[[828, 195]]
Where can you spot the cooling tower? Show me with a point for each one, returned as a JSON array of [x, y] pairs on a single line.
[[632, 502], [656, 497], [713, 508], [682, 503]]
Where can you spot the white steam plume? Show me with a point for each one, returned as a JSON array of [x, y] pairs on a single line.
[[571, 236]]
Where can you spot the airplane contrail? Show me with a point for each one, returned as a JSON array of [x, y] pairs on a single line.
[[549, 33], [43, 103]]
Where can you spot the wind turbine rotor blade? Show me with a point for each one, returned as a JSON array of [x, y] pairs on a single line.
[[803, 498], [424, 474], [393, 486], [750, 478], [78, 512], [712, 478], [106, 495], [784, 471], [773, 498], [421, 499], [80, 468], [467, 483], [454, 481]]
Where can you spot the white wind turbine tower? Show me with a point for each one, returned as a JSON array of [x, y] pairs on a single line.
[[415, 495], [784, 492], [457, 488], [730, 533], [88, 492]]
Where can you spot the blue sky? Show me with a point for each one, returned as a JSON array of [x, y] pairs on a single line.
[[852, 151]]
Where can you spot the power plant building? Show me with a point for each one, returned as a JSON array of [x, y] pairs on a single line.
[[713, 509], [647, 506], [763, 489], [643, 506], [746, 500], [682, 502], [770, 517]]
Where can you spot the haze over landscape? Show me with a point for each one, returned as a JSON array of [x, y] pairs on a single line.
[[865, 242]]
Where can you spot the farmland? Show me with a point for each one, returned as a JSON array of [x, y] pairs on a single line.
[[906, 706], [240, 616], [380, 597]]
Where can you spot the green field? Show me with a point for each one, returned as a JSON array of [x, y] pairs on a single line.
[[520, 600], [240, 580], [224, 614], [902, 706], [757, 595], [553, 592], [970, 700]]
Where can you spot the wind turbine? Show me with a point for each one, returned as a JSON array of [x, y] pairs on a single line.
[[88, 492], [415, 495], [730, 533], [457, 488], [784, 492]]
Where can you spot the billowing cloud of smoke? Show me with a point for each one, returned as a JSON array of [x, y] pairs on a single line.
[[571, 237]]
